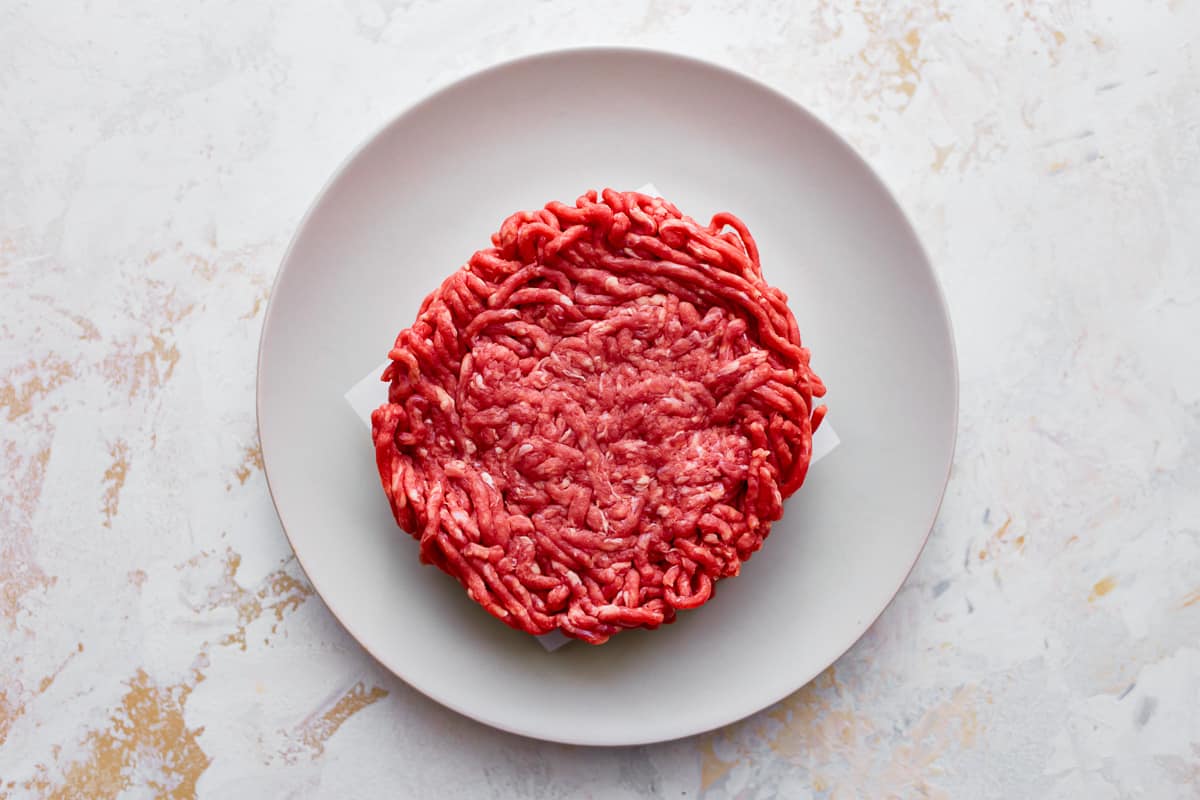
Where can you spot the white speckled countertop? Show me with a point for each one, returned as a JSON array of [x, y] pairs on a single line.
[[156, 636]]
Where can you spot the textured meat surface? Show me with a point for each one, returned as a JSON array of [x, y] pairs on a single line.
[[594, 420]]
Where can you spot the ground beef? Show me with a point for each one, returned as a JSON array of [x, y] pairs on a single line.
[[597, 418]]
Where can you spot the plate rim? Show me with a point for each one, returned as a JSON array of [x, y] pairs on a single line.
[[690, 60]]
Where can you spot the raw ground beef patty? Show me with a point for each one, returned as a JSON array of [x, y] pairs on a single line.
[[598, 417]]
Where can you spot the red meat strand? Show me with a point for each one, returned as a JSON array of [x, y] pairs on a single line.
[[596, 419]]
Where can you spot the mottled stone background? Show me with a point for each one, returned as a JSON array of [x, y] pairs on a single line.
[[158, 638]]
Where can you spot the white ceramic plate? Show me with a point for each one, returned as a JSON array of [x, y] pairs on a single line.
[[414, 202]]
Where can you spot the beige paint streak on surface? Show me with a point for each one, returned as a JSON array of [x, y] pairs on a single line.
[[1102, 587], [816, 723], [15, 698], [19, 575], [949, 726], [1047, 29], [114, 480], [13, 702], [318, 728], [260, 300], [278, 593], [1192, 599], [201, 267], [908, 72], [147, 737], [88, 330], [10, 709], [888, 66], [147, 361], [141, 366], [893, 63], [26, 384], [940, 155], [252, 459], [821, 726], [712, 766]]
